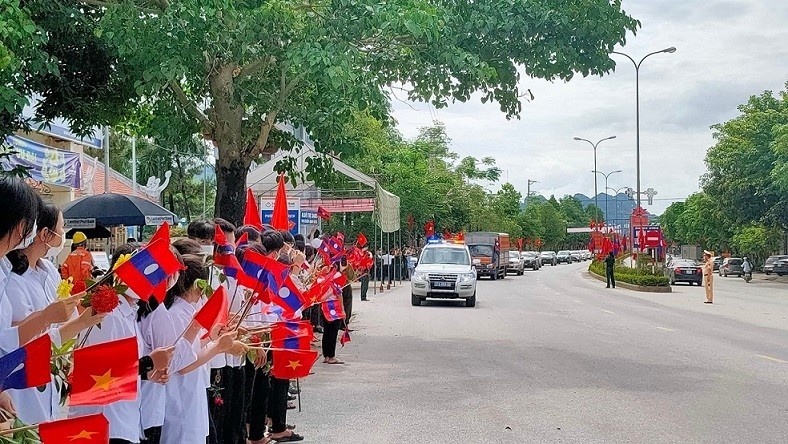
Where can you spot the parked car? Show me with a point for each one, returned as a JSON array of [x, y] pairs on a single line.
[[781, 267], [549, 257], [532, 260], [717, 262], [731, 265], [685, 270], [563, 257], [575, 254], [768, 267], [516, 263]]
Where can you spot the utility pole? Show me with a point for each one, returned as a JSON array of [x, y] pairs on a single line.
[[528, 192]]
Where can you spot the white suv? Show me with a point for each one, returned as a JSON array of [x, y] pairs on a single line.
[[444, 271]]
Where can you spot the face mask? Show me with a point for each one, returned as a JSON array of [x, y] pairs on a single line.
[[29, 239], [54, 251], [207, 249]]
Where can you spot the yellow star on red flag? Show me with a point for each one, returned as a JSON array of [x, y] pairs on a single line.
[[104, 381], [84, 434], [294, 364]]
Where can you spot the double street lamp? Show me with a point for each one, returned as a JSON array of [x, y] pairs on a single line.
[[595, 145], [606, 176], [670, 50]]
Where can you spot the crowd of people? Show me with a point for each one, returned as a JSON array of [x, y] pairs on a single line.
[[195, 385]]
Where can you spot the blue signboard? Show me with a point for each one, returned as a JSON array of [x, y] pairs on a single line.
[[291, 214], [309, 217], [45, 164]]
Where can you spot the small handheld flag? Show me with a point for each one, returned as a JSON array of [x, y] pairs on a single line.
[[333, 310], [361, 240], [105, 373], [27, 366], [149, 268], [323, 213], [92, 429], [345, 338], [215, 311], [292, 364]]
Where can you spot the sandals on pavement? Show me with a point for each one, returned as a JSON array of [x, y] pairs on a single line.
[[293, 437]]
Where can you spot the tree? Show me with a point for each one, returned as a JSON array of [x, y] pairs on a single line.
[[747, 166], [757, 242], [553, 223], [507, 201], [469, 169], [701, 223], [232, 71], [668, 221], [576, 217], [595, 213]]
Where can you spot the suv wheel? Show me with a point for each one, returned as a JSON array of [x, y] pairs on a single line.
[[414, 300], [471, 301]]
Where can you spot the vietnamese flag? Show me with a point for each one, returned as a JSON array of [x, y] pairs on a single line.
[[292, 364], [92, 429], [280, 219], [323, 213], [252, 216], [361, 240], [27, 366], [215, 311], [429, 228], [105, 373], [149, 268]]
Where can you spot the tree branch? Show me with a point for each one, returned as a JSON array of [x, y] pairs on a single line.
[[189, 106], [255, 66]]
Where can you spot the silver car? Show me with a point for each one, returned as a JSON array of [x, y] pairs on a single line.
[[516, 263], [444, 271]]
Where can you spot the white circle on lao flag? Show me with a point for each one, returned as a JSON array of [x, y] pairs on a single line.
[[333, 312], [150, 269], [259, 273], [284, 292]]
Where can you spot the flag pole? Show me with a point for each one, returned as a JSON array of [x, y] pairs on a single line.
[[18, 429], [298, 389]]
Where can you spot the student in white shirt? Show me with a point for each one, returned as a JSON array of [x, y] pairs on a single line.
[[18, 230], [186, 406]]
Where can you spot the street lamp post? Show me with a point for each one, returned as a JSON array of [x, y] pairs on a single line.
[[615, 199], [670, 50], [596, 198], [606, 176]]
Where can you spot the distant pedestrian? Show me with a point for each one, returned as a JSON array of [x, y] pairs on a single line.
[[708, 273], [746, 268], [610, 265]]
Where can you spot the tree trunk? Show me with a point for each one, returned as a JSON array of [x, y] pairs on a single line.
[[231, 172]]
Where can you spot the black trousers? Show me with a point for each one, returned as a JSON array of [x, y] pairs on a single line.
[[118, 441], [611, 278], [277, 404], [152, 436], [364, 286], [232, 428], [347, 301], [330, 333], [258, 385]]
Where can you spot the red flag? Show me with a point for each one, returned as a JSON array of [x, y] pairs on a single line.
[[163, 233], [224, 255], [280, 219], [214, 311], [461, 236], [149, 268], [345, 337], [292, 364], [520, 243], [323, 213], [243, 240], [429, 228], [292, 335], [92, 429], [361, 240], [252, 216], [105, 373]]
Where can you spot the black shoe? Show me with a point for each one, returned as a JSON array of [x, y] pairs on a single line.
[[364, 299], [292, 397], [318, 329]]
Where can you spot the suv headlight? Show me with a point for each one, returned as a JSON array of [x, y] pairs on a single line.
[[467, 277], [420, 275]]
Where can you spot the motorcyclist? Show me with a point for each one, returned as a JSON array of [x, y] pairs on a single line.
[[746, 269]]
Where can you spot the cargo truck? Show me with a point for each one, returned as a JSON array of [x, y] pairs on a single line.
[[489, 252]]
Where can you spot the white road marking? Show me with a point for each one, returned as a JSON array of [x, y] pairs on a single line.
[[772, 359], [665, 329], [575, 300], [608, 311]]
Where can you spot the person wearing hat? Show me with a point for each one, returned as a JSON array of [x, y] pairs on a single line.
[[78, 264], [708, 273]]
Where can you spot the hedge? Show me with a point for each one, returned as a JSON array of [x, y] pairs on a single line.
[[642, 277]]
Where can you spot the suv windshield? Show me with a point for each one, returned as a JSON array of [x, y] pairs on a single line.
[[563, 253], [451, 256], [481, 250]]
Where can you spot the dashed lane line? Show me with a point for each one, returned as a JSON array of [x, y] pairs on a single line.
[[608, 311], [665, 329]]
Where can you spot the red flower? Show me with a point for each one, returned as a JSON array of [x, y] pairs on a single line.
[[255, 339], [218, 400], [104, 299], [78, 287]]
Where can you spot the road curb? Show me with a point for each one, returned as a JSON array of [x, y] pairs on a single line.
[[629, 286]]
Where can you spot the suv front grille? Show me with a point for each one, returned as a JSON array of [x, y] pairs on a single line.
[[443, 277]]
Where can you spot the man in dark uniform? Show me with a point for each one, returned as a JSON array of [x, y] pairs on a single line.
[[610, 264]]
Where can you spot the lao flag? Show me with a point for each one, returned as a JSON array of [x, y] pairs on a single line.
[[333, 310], [27, 366], [224, 255], [288, 296], [323, 213], [162, 233], [149, 268], [261, 271], [292, 335], [345, 337]]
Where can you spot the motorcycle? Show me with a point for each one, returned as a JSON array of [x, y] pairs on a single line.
[[747, 277]]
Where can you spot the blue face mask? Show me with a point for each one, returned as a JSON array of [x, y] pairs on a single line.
[[29, 239]]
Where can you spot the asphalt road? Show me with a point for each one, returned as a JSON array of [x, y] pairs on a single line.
[[553, 356]]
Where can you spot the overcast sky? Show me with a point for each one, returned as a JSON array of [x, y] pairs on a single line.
[[727, 51]]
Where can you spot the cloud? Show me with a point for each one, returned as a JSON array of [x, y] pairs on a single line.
[[727, 51]]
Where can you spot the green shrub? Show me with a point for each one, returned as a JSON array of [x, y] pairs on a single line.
[[642, 277]]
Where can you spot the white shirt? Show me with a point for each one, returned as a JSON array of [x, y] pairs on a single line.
[[235, 300], [219, 360], [387, 259], [186, 410], [123, 416], [156, 330], [27, 293], [9, 336]]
